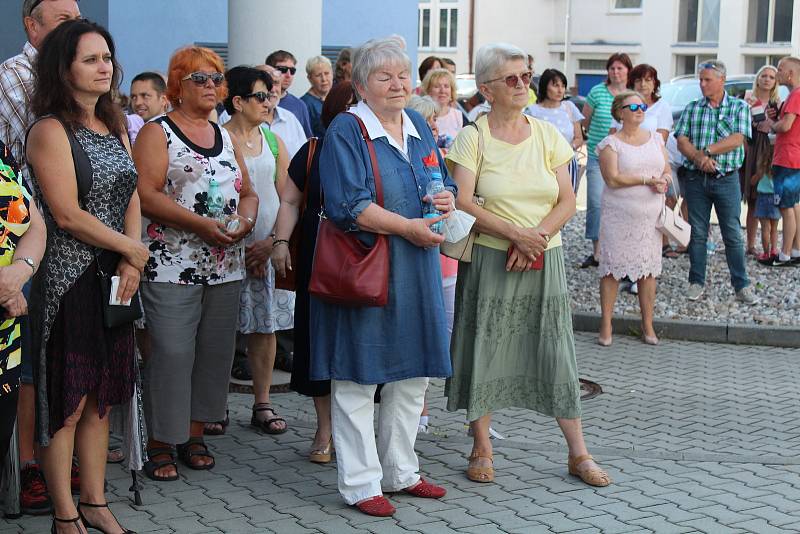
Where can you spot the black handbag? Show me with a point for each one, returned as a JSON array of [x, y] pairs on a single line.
[[113, 315]]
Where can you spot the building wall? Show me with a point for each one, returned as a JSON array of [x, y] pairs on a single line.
[[147, 32], [12, 38]]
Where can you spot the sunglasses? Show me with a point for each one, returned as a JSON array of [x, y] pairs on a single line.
[[201, 78], [513, 79], [284, 69], [261, 96], [712, 66], [636, 107]]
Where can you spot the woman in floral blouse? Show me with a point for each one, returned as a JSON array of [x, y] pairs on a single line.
[[197, 196]]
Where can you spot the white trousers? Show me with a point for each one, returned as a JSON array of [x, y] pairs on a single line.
[[367, 469]]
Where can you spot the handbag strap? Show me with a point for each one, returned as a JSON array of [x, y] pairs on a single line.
[[481, 148], [312, 149], [373, 159]]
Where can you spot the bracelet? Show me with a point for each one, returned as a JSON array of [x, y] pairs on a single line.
[[277, 242], [644, 180]]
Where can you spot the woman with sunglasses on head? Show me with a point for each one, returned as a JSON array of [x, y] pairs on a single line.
[[84, 367], [597, 121], [247, 104], [635, 166], [200, 204], [512, 341]]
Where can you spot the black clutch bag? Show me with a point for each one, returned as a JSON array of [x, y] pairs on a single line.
[[115, 315]]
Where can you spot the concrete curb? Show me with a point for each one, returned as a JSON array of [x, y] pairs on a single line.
[[740, 334]]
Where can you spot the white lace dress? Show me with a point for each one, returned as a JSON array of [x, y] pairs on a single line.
[[630, 244]]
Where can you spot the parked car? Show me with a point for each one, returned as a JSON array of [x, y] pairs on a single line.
[[683, 89]]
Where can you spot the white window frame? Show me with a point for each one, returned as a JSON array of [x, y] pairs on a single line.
[[699, 26], [770, 24], [431, 32], [613, 9], [449, 10], [436, 7]]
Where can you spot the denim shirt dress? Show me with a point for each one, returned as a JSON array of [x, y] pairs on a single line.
[[407, 338]]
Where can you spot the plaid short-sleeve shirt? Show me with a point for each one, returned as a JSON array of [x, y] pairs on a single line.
[[704, 126]]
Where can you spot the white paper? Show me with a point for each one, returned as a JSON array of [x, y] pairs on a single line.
[[113, 299], [457, 226]]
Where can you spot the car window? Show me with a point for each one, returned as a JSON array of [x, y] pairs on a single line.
[[738, 89], [680, 94]]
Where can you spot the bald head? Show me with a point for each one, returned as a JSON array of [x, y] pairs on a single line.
[[789, 71]]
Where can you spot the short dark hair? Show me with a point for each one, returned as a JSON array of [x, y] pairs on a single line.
[[447, 60], [548, 76], [623, 58], [54, 94], [643, 70], [426, 65], [241, 80], [340, 97], [148, 76], [341, 60], [279, 55]]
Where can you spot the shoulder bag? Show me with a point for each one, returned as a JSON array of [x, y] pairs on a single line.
[[462, 250], [289, 282], [671, 224], [347, 272]]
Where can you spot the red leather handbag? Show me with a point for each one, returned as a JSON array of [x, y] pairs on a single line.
[[345, 271]]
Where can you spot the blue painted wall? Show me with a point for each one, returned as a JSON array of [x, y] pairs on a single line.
[[147, 32], [13, 38], [351, 22]]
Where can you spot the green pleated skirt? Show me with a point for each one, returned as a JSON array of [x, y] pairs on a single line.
[[512, 343]]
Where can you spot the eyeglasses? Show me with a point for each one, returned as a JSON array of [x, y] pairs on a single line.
[[201, 78], [261, 96], [635, 107], [284, 69], [512, 80]]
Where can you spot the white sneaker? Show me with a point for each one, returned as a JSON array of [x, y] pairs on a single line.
[[695, 292]]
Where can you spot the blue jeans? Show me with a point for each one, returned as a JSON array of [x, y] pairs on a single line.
[[594, 195], [702, 192]]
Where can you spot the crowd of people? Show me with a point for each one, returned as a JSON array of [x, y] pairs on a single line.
[[188, 224]]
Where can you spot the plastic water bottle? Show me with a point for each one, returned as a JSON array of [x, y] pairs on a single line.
[[434, 186], [711, 247], [216, 202]]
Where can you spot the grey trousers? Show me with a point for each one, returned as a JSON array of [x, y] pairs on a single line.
[[192, 337]]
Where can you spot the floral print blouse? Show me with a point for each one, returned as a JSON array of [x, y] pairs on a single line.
[[181, 257]]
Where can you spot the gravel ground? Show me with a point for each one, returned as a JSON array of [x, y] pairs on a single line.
[[778, 288]]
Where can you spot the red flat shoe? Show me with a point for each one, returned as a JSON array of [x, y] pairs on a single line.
[[426, 490], [378, 506]]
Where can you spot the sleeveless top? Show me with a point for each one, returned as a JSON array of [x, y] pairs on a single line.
[[261, 169], [66, 257], [181, 257]]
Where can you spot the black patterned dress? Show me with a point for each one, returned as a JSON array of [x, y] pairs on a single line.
[[77, 355]]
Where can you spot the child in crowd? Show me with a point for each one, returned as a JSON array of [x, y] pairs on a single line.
[[767, 212]]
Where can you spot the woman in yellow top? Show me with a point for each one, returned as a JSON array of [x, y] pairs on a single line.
[[512, 342]]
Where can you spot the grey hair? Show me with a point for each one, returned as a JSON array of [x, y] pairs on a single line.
[[491, 57], [424, 105], [315, 62], [715, 65], [375, 54]]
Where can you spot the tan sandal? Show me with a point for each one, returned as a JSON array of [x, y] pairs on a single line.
[[593, 477], [322, 456], [480, 474]]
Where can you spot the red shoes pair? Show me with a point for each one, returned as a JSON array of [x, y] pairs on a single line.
[[380, 506]]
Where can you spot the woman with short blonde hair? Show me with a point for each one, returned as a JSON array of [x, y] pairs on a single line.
[[320, 76], [440, 85]]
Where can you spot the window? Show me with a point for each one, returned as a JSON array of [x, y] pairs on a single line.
[[688, 64], [626, 5], [698, 21], [753, 63], [592, 64], [424, 40], [770, 21], [448, 27]]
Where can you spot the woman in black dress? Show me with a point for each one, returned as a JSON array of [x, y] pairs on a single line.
[[83, 367], [338, 100]]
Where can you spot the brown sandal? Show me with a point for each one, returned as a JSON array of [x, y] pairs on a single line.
[[593, 477], [480, 474]]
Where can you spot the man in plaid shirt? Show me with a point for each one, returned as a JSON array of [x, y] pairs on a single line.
[[711, 134], [40, 17]]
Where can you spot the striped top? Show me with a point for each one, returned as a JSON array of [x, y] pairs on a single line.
[[600, 98]]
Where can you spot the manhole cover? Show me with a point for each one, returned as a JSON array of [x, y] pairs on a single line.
[[589, 389]]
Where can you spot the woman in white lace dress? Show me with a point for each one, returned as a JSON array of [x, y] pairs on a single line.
[[636, 173]]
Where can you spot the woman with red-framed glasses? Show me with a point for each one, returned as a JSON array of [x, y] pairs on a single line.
[[512, 340]]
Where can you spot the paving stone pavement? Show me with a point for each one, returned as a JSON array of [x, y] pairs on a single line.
[[697, 437]]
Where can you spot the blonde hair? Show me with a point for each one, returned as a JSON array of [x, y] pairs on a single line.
[[315, 62], [434, 75], [773, 93], [619, 103]]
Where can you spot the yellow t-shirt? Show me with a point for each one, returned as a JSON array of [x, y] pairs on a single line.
[[517, 182]]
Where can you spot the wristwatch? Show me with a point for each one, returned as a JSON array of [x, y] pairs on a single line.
[[30, 263], [707, 152]]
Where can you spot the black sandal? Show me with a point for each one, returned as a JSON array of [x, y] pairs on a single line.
[[185, 454], [266, 424], [89, 525], [214, 431], [151, 466], [76, 520]]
